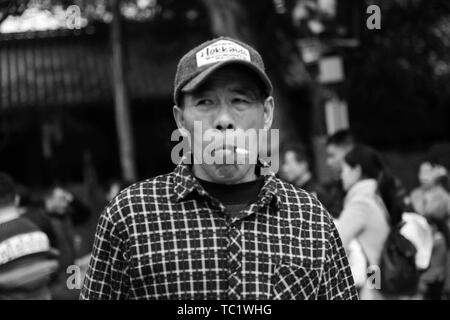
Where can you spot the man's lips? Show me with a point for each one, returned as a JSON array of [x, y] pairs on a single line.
[[241, 151], [230, 148]]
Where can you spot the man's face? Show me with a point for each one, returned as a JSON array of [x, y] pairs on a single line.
[[292, 169], [228, 100], [335, 158]]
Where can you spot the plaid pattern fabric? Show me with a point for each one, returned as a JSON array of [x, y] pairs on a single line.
[[167, 238]]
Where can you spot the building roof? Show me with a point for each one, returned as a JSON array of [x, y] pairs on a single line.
[[64, 68]]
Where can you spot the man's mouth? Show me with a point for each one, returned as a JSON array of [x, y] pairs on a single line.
[[229, 147], [229, 154], [226, 149], [241, 151]]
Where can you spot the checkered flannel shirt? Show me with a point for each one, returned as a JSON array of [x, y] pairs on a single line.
[[167, 238]]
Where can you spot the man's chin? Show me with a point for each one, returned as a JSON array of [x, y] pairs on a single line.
[[224, 173], [227, 171], [230, 173]]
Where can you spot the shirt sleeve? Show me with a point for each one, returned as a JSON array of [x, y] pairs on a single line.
[[336, 281], [107, 275]]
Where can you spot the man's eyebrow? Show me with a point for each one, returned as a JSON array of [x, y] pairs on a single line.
[[245, 91]]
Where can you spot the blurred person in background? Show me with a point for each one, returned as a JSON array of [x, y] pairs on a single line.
[[113, 188], [415, 228], [296, 169], [66, 212], [369, 203], [338, 145], [432, 200], [27, 260], [32, 207]]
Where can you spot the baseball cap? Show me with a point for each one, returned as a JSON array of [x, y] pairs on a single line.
[[199, 63]]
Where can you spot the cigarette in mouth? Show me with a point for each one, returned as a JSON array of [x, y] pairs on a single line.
[[241, 151]]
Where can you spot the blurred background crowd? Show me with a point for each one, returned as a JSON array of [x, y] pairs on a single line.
[[86, 109]]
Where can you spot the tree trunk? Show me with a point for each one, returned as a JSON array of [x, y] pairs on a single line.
[[228, 18], [121, 98]]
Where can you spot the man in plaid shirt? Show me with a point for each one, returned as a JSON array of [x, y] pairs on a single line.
[[218, 231]]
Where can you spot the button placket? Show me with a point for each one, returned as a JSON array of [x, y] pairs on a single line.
[[234, 252]]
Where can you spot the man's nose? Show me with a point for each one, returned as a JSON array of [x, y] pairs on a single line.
[[224, 120]]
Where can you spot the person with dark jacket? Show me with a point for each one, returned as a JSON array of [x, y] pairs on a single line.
[[66, 212], [27, 260], [338, 145]]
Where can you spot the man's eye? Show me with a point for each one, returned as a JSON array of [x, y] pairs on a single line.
[[241, 100], [204, 102]]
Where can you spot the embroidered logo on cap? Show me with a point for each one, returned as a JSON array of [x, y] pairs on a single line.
[[220, 51]]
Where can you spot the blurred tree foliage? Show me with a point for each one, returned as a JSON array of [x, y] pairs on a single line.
[[398, 80], [8, 7]]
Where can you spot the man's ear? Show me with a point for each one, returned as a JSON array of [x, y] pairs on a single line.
[[178, 116], [16, 200], [269, 106], [359, 171]]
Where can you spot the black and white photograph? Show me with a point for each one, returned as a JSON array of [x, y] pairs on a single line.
[[239, 151]]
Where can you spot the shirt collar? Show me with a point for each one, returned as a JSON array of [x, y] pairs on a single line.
[[186, 184]]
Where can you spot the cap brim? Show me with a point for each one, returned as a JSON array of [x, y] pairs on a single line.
[[199, 79]]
